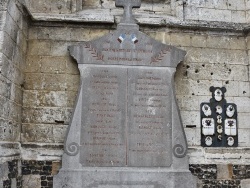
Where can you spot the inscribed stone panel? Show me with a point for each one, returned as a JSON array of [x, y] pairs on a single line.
[[104, 112], [149, 117]]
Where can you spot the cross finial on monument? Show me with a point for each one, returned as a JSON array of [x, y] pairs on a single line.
[[128, 5]]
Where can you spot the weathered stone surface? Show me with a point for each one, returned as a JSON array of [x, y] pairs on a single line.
[[224, 72], [244, 119], [243, 103], [55, 82], [239, 5], [13, 44], [46, 115], [208, 14], [224, 171], [60, 7], [3, 5], [42, 151], [248, 15], [31, 181], [45, 98], [219, 156], [85, 16], [199, 41], [190, 118], [171, 12], [39, 48], [245, 183], [5, 107], [239, 17], [193, 136], [127, 178], [220, 56], [56, 165], [43, 133], [66, 34], [244, 139], [226, 42], [4, 171], [11, 28], [8, 50], [7, 151], [180, 40]]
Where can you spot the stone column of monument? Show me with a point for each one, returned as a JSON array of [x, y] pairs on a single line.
[[126, 130]]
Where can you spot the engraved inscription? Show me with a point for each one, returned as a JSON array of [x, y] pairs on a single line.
[[127, 56], [149, 119], [126, 117], [103, 140]]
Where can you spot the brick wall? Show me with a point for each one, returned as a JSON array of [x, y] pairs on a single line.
[[10, 176]]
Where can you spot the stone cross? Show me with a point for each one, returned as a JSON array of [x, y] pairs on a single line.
[[128, 5]]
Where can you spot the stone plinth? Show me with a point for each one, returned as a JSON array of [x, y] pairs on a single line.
[[106, 177]]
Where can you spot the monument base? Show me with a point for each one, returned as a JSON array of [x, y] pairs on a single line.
[[114, 177]]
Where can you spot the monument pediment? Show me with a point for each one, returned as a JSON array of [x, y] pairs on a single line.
[[128, 47]]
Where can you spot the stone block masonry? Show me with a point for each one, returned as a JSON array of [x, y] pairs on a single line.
[[51, 80], [48, 104], [13, 45], [224, 10], [39, 80], [195, 13], [216, 64]]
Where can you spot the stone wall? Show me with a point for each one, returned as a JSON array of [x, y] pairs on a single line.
[[51, 85], [195, 13], [13, 45], [38, 86], [217, 10], [213, 59]]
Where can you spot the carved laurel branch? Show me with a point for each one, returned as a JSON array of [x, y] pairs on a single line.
[[160, 56], [179, 151], [72, 149], [94, 52]]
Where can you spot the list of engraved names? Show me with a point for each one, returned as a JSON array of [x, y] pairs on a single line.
[[125, 117]]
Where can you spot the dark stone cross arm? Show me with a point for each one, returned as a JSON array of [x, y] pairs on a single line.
[[128, 5]]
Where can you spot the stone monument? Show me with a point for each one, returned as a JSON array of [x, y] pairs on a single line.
[[126, 130]]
